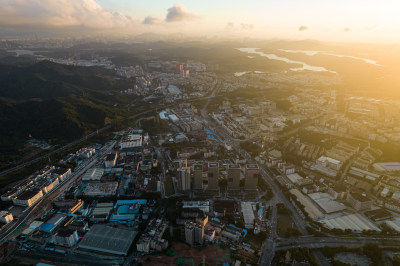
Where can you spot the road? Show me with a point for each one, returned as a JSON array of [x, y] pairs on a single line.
[[349, 164], [161, 161], [20, 166], [279, 197], [31, 212], [336, 241]]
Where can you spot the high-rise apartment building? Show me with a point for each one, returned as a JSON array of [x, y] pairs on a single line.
[[213, 175], [251, 177], [234, 177]]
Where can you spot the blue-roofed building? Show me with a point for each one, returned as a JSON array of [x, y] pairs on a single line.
[[46, 227], [44, 264], [127, 202], [127, 210]]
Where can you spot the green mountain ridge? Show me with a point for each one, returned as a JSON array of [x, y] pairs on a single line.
[[52, 101]]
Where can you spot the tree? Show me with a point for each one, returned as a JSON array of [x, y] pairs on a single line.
[[373, 252], [282, 209]]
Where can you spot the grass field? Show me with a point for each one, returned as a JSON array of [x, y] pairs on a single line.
[[211, 255], [284, 223]]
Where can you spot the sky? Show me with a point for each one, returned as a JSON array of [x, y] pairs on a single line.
[[332, 20]]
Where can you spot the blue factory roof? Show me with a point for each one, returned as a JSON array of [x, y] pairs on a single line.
[[46, 227], [127, 202]]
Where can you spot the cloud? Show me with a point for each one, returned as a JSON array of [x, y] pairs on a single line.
[[346, 29], [303, 28], [149, 20], [245, 26], [61, 13], [371, 28], [179, 13], [230, 26]]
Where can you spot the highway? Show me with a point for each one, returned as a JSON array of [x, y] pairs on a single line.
[[270, 244], [20, 166], [29, 213], [335, 241]]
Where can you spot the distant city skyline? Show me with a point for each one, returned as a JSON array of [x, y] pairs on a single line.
[[354, 21]]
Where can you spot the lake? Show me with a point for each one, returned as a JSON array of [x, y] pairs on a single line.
[[304, 66]]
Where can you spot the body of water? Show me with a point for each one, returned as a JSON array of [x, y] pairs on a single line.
[[304, 66], [312, 53], [22, 52], [238, 74]]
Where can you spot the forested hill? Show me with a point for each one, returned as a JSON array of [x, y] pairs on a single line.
[[47, 80], [52, 101]]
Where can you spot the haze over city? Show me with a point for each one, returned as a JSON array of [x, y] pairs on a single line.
[[348, 21]]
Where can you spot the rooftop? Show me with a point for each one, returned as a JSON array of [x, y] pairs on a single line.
[[93, 174], [234, 166], [111, 157], [387, 166], [360, 197], [378, 214], [251, 166], [107, 239], [60, 171], [340, 188], [355, 222], [28, 194], [65, 232], [198, 167], [212, 165]]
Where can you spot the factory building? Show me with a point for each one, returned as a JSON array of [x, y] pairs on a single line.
[[62, 173], [109, 240], [111, 160], [359, 201], [339, 191], [66, 237], [93, 174], [28, 197], [6, 217]]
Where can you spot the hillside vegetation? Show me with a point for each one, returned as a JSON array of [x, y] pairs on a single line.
[[54, 102]]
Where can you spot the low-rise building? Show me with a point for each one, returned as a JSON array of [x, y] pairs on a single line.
[[111, 160], [379, 215], [101, 212], [49, 184], [101, 189], [6, 217], [62, 173], [93, 174], [201, 205], [232, 233], [209, 235], [359, 201], [339, 191], [107, 240], [152, 239], [28, 197], [69, 206], [66, 237]]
